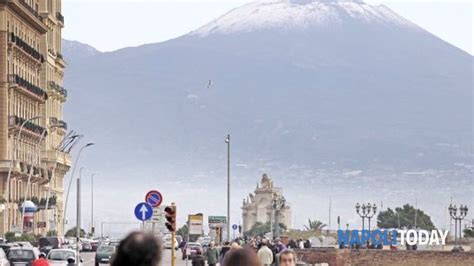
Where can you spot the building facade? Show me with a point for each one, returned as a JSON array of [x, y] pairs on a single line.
[[258, 207], [32, 94]]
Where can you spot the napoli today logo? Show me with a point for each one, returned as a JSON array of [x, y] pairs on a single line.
[[392, 237]]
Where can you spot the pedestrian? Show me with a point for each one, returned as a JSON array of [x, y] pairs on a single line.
[[223, 251], [265, 254], [212, 255], [71, 261], [287, 258], [301, 244], [138, 249], [241, 257], [41, 261], [199, 259]]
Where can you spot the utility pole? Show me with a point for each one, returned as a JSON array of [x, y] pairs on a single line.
[[92, 205], [78, 219], [227, 140]]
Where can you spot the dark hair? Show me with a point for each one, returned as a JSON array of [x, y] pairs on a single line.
[[138, 249], [287, 252], [239, 257]]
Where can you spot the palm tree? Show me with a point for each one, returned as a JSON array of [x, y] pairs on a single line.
[[315, 225]]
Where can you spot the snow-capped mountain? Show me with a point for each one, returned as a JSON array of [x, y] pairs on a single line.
[[309, 90], [300, 15]]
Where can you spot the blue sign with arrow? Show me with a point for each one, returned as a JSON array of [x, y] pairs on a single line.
[[234, 227], [143, 211]]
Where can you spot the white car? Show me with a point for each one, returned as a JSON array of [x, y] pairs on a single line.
[[58, 257], [3, 258], [167, 243]]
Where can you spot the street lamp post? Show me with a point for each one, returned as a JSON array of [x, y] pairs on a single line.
[[12, 163], [43, 134], [366, 211], [278, 203], [227, 140], [70, 182], [78, 215], [92, 205], [453, 212]]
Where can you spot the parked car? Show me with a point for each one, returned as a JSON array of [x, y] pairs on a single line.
[[51, 242], [191, 249], [22, 255], [104, 254], [3, 259], [58, 257], [167, 243], [6, 247]]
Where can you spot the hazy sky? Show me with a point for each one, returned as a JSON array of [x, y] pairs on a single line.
[[113, 24]]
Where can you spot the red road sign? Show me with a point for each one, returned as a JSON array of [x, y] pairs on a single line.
[[154, 198]]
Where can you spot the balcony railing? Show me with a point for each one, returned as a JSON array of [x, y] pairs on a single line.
[[58, 123], [60, 56], [26, 47], [60, 17], [30, 8], [15, 79], [53, 86], [15, 121]]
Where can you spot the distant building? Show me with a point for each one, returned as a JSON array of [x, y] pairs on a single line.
[[257, 207]]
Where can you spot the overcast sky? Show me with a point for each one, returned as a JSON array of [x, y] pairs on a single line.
[[113, 24]]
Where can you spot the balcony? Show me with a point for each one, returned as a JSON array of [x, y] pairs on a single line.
[[60, 17], [31, 89], [57, 88], [54, 122], [26, 48], [60, 59], [16, 122], [30, 9]]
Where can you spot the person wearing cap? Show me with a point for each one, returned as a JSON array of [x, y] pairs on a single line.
[[199, 260], [41, 261]]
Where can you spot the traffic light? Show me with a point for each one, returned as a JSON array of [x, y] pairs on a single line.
[[170, 215], [93, 230], [240, 229]]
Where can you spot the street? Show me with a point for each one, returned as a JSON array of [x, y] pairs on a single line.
[[88, 258]]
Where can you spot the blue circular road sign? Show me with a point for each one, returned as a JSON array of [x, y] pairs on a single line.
[[234, 226], [143, 211]]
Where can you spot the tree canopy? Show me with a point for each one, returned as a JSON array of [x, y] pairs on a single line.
[[314, 225], [72, 232], [404, 218], [260, 229]]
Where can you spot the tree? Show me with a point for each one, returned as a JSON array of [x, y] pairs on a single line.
[[183, 231], [469, 232], [259, 229], [315, 225], [72, 232], [404, 216]]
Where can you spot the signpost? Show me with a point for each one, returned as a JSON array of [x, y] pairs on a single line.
[[234, 227], [195, 224], [143, 212], [154, 198], [217, 223]]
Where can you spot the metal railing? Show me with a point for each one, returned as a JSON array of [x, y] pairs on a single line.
[[26, 47], [15, 79]]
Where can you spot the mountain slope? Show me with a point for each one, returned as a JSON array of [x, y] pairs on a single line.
[[335, 87]]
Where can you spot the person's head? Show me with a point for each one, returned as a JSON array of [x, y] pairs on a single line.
[[42, 255], [287, 258], [227, 243], [71, 260], [139, 249], [235, 246], [242, 256], [212, 244]]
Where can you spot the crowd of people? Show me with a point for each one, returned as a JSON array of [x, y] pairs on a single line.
[[143, 249]]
